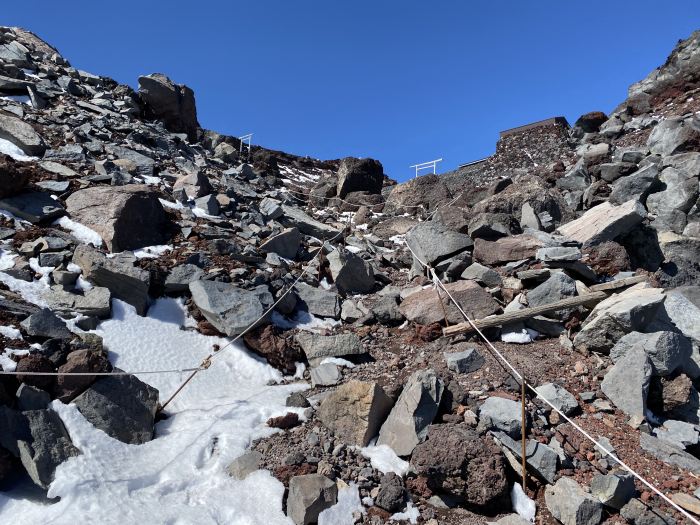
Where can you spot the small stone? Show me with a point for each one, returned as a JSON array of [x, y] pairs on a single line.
[[467, 361], [243, 465]]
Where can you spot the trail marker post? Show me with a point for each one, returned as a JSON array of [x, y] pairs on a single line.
[[430, 165], [246, 140]]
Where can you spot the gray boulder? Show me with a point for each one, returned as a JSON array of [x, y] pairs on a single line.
[[559, 397], [209, 204], [316, 347], [245, 464], [195, 185], [558, 254], [33, 207], [45, 323], [350, 272], [482, 275], [170, 102], [180, 277], [673, 135], [433, 242], [669, 453], [50, 445], [415, 409], [294, 217], [359, 175], [571, 505], [667, 351], [319, 302], [32, 398], [126, 217], [285, 244], [679, 195], [124, 407], [392, 493], [678, 433], [464, 362], [94, 302], [501, 414], [22, 135], [539, 459], [627, 383], [613, 490], [559, 286], [309, 495], [604, 222], [229, 308], [635, 186]]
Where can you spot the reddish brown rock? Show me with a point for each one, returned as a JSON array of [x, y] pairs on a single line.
[[36, 363], [608, 258], [424, 307], [84, 360], [14, 175], [289, 420], [507, 249], [591, 122], [268, 343]]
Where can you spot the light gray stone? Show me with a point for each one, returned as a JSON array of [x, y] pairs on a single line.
[[294, 217], [483, 275], [45, 323], [678, 433], [229, 308], [316, 347], [309, 495], [637, 185], [464, 362], [613, 490], [604, 222], [415, 409], [672, 134], [559, 397], [667, 351], [627, 383], [558, 254], [245, 464], [285, 244], [433, 241], [22, 135], [669, 453], [571, 505], [319, 302], [325, 374], [180, 277], [501, 414], [350, 272]]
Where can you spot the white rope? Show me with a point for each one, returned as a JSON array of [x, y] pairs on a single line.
[[561, 414]]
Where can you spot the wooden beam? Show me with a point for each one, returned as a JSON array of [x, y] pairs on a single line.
[[526, 313]]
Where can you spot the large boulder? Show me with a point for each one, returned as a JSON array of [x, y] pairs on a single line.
[[318, 301], [506, 249], [170, 102], [317, 347], [424, 307], [49, 446], [571, 505], [124, 407], [416, 195], [455, 460], [46, 324], [351, 273], [415, 409], [294, 217], [636, 185], [674, 135], [432, 242], [309, 495], [22, 135], [126, 217], [359, 175], [355, 411], [667, 351], [285, 244], [604, 222], [498, 413], [627, 383], [229, 308], [619, 314]]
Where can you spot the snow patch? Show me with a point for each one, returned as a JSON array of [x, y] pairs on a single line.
[[303, 320], [411, 514], [8, 148], [80, 231], [342, 512], [524, 336], [523, 505], [152, 252], [384, 459], [338, 361], [10, 332]]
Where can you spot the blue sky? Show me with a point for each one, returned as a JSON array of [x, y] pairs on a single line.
[[400, 81]]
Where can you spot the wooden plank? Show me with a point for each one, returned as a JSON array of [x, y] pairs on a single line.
[[620, 283], [526, 313]]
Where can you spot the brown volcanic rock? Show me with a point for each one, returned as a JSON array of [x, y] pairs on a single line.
[[608, 258], [457, 461], [126, 217], [507, 249], [173, 103], [424, 307], [14, 175], [267, 342]]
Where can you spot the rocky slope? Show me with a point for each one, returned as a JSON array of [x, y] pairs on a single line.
[[112, 198]]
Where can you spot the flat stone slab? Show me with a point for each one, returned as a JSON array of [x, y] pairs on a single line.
[[604, 222]]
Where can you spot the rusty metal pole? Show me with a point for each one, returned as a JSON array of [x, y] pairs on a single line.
[[523, 433]]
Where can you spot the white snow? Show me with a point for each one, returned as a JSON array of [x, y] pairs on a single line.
[[325, 284], [342, 512], [353, 249], [21, 99], [80, 231], [523, 336], [199, 212], [303, 320], [8, 148], [384, 459], [10, 332], [171, 205], [179, 477], [148, 179], [522, 504], [152, 252], [411, 514], [338, 361], [32, 292]]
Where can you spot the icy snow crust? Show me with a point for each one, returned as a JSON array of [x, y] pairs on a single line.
[[179, 477]]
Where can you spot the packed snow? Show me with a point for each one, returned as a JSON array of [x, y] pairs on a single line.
[[152, 252], [522, 504], [8, 148], [10, 332], [179, 477], [303, 320], [342, 512], [32, 292], [80, 231], [384, 459]]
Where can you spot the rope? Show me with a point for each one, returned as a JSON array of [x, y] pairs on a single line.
[[561, 414], [255, 323]]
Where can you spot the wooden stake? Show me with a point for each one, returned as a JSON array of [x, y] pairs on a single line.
[[524, 434]]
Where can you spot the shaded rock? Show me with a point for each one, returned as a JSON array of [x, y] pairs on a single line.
[[627, 383], [674, 135], [33, 207], [613, 490], [309, 495], [22, 135], [392, 493], [608, 258], [669, 206], [229, 308], [680, 267], [635, 186], [501, 414], [287, 421], [195, 185], [208, 204], [668, 453], [424, 307], [359, 175], [666, 350], [126, 217], [267, 342], [414, 410], [386, 311], [318, 301], [619, 314], [36, 363], [14, 176], [180, 277], [571, 505], [482, 275], [285, 244], [492, 226], [427, 192], [455, 460], [467, 361], [678, 433], [591, 122], [559, 397], [49, 447], [173, 103], [123, 407], [433, 242], [32, 398], [350, 272], [506, 249], [604, 222], [45, 323], [559, 286], [355, 411], [317, 347]]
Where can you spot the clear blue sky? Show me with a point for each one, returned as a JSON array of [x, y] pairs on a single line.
[[401, 81]]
